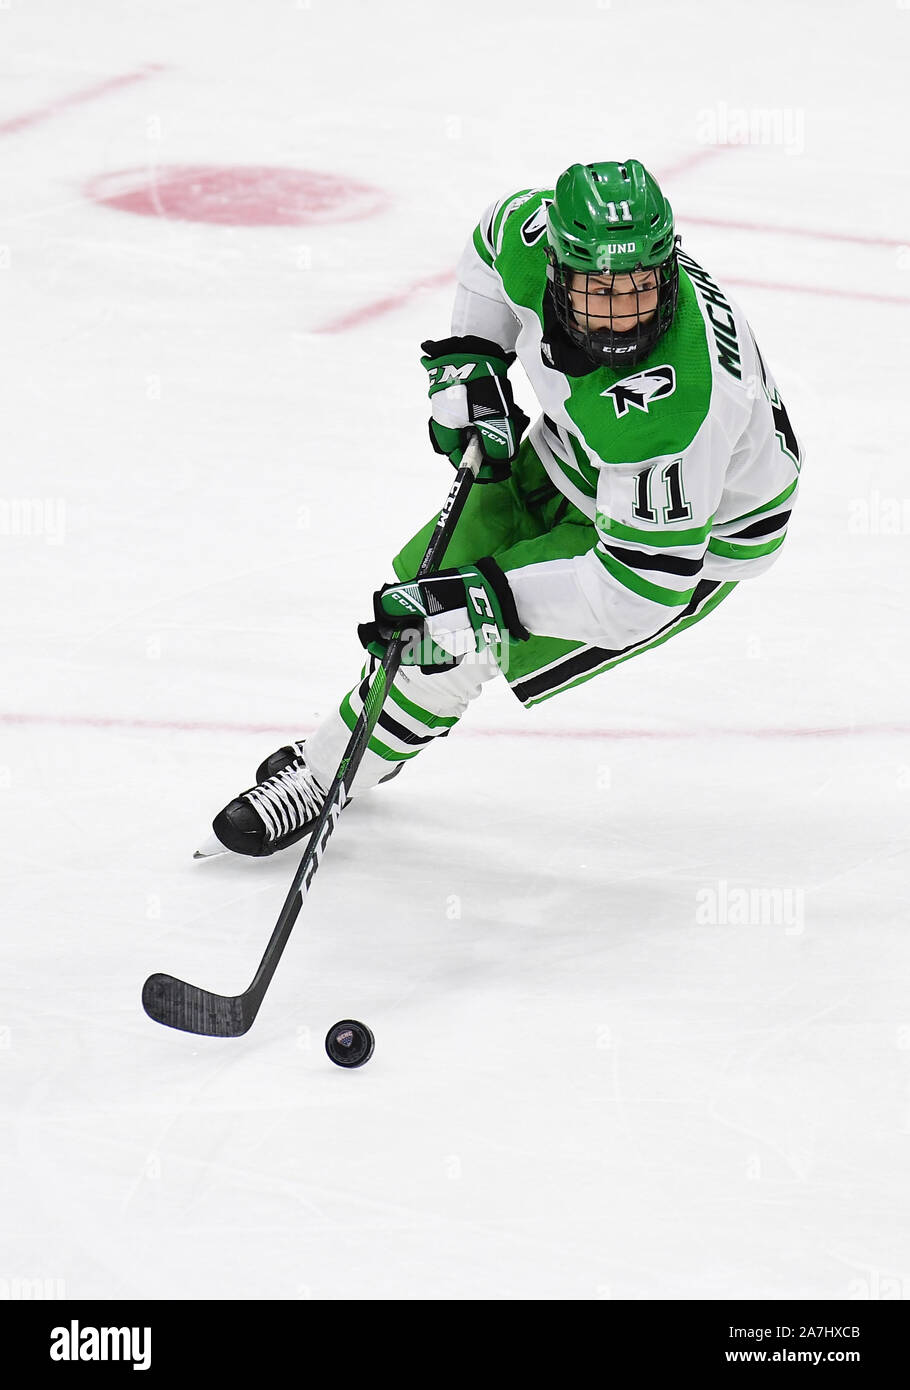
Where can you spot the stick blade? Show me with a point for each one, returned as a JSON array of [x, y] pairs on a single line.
[[178, 1005]]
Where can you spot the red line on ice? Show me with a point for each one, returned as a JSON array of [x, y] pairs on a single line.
[[826, 291], [811, 233], [692, 160], [444, 277], [85, 94], [209, 726], [385, 306]]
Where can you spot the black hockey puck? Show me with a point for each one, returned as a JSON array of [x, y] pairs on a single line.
[[349, 1043]]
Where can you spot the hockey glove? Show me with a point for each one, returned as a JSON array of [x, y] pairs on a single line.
[[469, 387], [445, 617]]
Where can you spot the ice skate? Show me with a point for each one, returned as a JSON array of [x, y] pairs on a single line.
[[281, 809]]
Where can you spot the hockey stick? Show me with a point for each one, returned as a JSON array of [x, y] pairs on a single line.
[[177, 1004]]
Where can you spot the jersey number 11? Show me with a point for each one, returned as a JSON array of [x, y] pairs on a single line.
[[676, 509]]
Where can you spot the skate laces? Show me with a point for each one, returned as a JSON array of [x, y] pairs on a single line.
[[288, 800]]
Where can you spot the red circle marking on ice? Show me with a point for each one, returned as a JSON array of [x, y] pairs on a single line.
[[237, 196]]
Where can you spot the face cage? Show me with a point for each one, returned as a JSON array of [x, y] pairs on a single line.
[[608, 347]]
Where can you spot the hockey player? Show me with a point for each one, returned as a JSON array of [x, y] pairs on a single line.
[[661, 471]]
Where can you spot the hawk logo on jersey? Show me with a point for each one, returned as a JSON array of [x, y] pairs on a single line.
[[533, 228], [641, 389]]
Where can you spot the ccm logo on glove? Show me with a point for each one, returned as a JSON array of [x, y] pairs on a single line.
[[458, 612], [469, 388]]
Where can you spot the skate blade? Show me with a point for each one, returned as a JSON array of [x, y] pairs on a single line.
[[210, 849]]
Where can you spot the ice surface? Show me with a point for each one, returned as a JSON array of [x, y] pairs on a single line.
[[583, 1087]]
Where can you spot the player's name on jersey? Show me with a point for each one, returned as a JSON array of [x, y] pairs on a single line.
[[719, 314]]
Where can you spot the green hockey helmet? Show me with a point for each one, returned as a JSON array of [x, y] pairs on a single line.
[[611, 238]]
